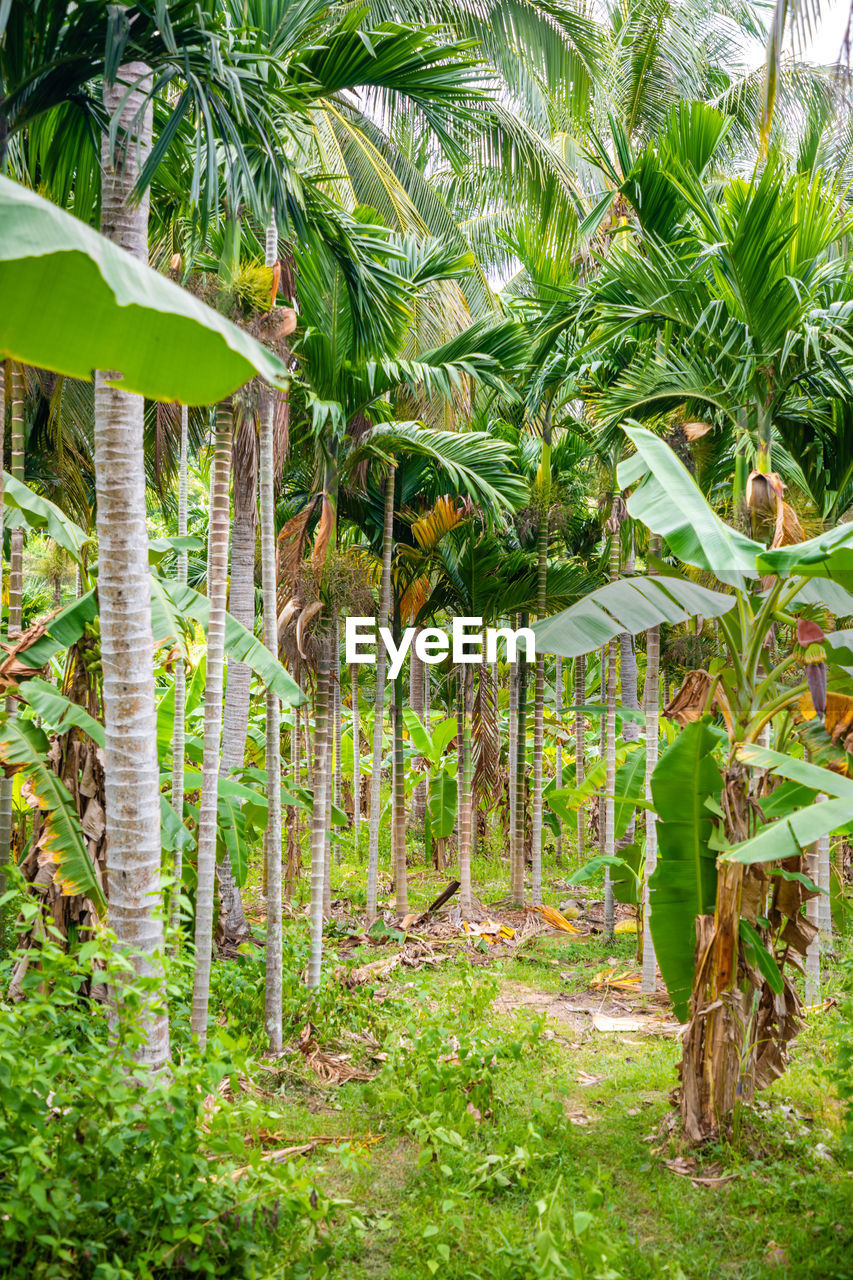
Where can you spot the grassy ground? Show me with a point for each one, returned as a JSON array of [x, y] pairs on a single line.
[[504, 1136]]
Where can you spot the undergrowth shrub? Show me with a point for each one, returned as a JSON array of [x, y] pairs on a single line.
[[102, 1179], [237, 990]]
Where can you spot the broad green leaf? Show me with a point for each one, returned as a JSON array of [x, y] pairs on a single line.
[[109, 311], [173, 833], [442, 735], [30, 510], [23, 746], [626, 879], [628, 789], [591, 868], [59, 712], [791, 836], [830, 555], [629, 604], [684, 882], [160, 547], [421, 740], [441, 805], [802, 771], [840, 646], [240, 644], [61, 632], [667, 500], [231, 824]]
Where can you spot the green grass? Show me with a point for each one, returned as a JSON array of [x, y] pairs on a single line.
[[490, 1142]]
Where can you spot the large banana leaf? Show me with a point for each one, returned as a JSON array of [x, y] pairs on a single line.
[[684, 882], [60, 714], [60, 632], [793, 833], [629, 604], [24, 747], [240, 644], [669, 502], [830, 555], [28, 509], [441, 805], [74, 302]]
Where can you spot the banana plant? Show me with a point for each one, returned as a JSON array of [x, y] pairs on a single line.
[[716, 906], [442, 792]]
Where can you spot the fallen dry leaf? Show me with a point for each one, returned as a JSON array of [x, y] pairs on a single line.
[[586, 1081]]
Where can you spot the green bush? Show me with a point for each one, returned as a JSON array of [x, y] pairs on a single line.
[[103, 1179]]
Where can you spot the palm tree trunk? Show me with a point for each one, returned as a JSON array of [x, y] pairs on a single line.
[[580, 744], [329, 788], [272, 837], [336, 682], [512, 773], [465, 697], [544, 498], [379, 704], [613, 525], [416, 702], [628, 689], [127, 642], [241, 594], [179, 726], [356, 759], [5, 783], [241, 605], [651, 706], [207, 823], [520, 765], [318, 820], [16, 586], [401, 887], [558, 752]]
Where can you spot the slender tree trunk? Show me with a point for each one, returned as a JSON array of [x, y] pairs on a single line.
[[379, 704], [417, 669], [241, 605], [179, 726], [544, 500], [580, 745], [512, 775], [309, 754], [334, 671], [356, 759], [207, 823], [628, 689], [651, 706], [520, 789], [401, 886], [5, 783], [272, 837], [336, 688], [241, 594], [465, 673], [127, 642], [558, 751], [318, 820], [610, 748], [16, 586]]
